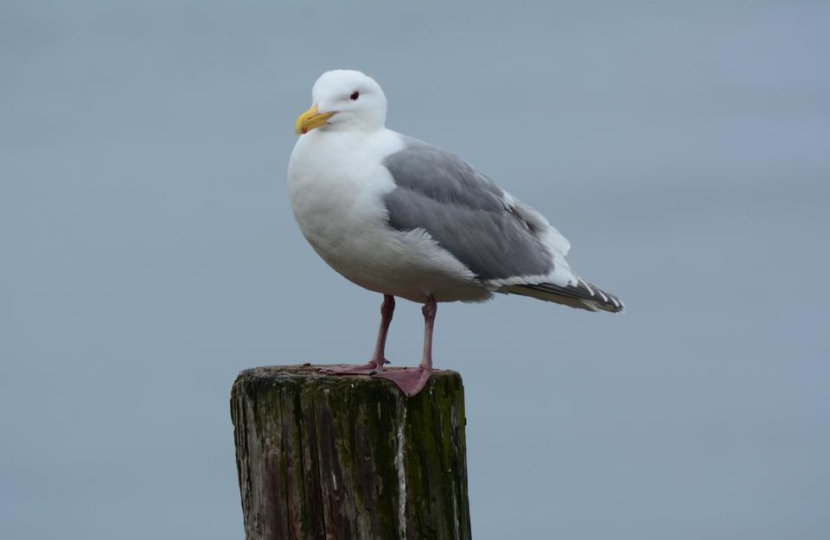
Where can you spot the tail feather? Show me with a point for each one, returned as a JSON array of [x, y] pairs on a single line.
[[581, 295]]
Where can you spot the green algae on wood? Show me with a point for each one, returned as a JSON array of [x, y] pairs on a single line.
[[349, 458]]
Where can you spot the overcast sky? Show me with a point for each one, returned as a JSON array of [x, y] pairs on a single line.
[[148, 254]]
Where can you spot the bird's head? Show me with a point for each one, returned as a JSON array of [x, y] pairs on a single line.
[[344, 100]]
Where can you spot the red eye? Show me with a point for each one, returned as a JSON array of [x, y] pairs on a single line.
[[354, 95]]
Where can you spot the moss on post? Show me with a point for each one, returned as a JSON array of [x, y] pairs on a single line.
[[332, 457]]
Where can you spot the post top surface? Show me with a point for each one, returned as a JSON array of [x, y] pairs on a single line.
[[308, 375]]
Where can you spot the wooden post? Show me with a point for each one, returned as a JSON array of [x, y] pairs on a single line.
[[349, 458]]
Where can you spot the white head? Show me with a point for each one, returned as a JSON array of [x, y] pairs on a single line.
[[344, 100]]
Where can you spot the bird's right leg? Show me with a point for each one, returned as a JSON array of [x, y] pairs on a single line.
[[387, 309]]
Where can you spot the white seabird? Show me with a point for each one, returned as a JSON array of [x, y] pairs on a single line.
[[403, 218]]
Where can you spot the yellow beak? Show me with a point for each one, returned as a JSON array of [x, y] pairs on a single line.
[[311, 119]]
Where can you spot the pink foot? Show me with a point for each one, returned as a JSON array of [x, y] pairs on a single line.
[[409, 380], [366, 369]]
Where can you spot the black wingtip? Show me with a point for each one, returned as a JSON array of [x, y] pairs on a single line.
[[581, 295]]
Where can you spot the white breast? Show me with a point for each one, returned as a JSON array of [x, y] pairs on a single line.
[[336, 185]]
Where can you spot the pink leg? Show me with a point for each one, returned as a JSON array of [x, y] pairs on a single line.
[[387, 309], [412, 381]]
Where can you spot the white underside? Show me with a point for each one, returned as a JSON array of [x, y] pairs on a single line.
[[336, 186]]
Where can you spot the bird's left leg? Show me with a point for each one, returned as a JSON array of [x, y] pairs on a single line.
[[412, 381], [387, 309]]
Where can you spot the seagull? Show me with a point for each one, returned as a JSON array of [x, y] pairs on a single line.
[[406, 219]]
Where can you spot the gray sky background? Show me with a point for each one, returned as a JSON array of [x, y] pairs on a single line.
[[149, 254]]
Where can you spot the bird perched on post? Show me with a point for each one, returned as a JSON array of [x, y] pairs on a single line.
[[403, 218]]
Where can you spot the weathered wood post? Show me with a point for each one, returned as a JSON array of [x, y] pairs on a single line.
[[349, 458]]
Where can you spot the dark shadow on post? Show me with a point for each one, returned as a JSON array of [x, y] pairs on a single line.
[[349, 458]]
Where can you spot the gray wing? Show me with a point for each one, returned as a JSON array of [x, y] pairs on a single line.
[[464, 212]]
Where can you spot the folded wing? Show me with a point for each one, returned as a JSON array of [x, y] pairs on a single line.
[[510, 247]]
